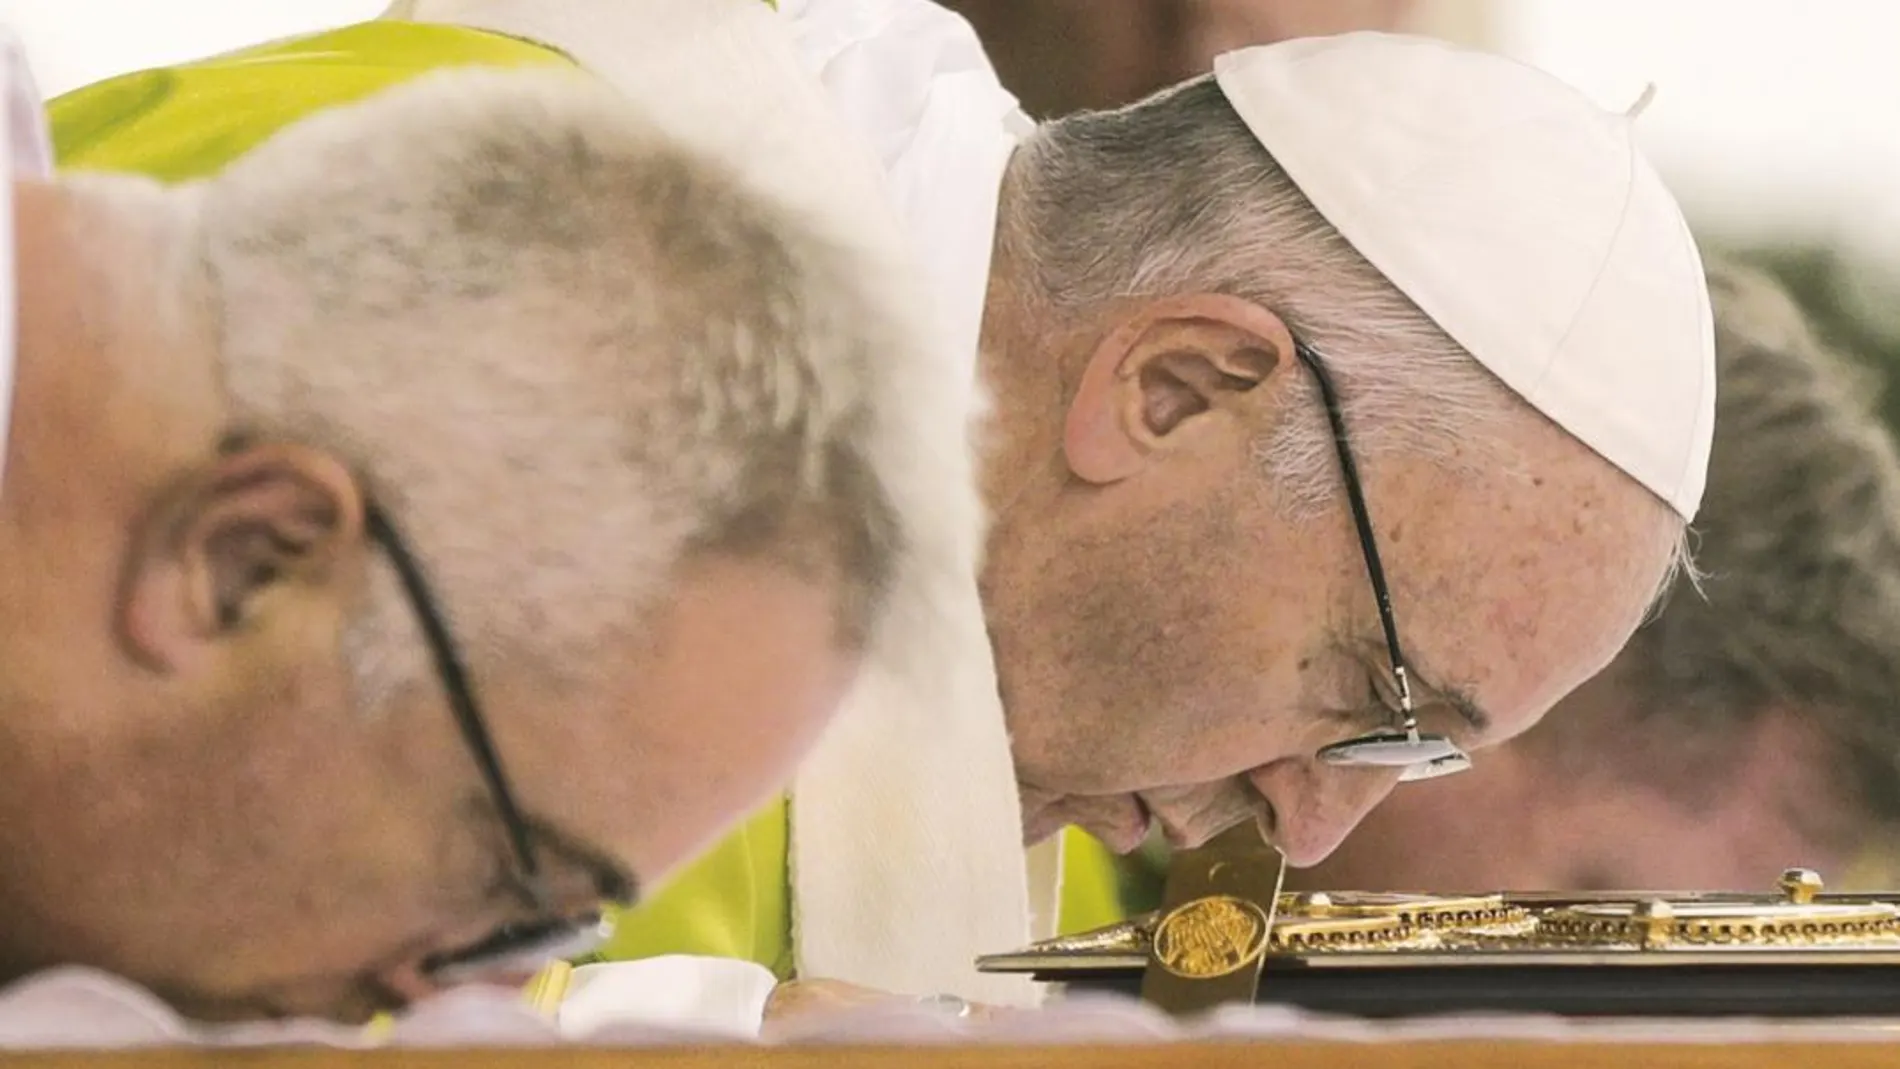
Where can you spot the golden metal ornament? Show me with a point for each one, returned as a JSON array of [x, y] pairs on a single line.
[[1218, 908], [1658, 924], [1210, 937], [1795, 950], [1422, 912]]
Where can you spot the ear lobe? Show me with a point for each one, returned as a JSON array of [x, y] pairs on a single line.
[[262, 522]]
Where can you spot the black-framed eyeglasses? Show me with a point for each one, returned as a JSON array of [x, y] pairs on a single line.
[[1422, 755], [551, 936]]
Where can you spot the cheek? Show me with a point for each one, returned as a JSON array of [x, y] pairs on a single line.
[[712, 728], [759, 723], [769, 713], [279, 858], [768, 687], [1256, 692]]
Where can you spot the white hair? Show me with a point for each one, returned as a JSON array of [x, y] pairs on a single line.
[[562, 350]]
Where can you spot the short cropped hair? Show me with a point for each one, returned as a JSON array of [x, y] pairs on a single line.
[[563, 351]]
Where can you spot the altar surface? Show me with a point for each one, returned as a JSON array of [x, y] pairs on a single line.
[[1466, 1054]]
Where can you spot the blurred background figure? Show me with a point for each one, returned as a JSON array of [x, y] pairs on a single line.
[[1059, 56], [1852, 304]]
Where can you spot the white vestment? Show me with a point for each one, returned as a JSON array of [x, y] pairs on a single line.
[[906, 857]]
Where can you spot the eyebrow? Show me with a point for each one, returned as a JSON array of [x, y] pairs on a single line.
[[1459, 699]]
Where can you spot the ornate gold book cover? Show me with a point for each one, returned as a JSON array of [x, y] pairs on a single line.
[[1794, 951]]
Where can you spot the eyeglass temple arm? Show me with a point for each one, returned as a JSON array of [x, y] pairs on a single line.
[[455, 679], [1362, 519]]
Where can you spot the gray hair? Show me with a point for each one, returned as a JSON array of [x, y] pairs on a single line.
[[1175, 195], [1801, 547], [563, 352]]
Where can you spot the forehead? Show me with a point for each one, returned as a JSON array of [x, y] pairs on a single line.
[[1511, 590]]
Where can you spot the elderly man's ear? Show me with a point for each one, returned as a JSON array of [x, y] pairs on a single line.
[[261, 538], [1178, 370]]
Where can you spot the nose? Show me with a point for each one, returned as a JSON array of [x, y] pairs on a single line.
[[1315, 806]]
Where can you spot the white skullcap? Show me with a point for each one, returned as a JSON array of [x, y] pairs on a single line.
[[1520, 217]]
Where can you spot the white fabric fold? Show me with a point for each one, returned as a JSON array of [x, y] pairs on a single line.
[[716, 996]]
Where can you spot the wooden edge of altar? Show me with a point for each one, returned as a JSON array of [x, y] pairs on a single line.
[[1465, 1054]]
